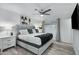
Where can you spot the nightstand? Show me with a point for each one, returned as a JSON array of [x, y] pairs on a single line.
[[7, 42]]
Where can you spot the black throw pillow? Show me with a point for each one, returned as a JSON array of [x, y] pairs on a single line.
[[30, 31], [37, 31]]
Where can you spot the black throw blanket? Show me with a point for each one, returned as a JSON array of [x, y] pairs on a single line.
[[45, 37]]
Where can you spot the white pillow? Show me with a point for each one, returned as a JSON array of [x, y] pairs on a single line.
[[34, 31], [23, 32]]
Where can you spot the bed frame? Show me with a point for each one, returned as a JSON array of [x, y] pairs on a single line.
[[33, 49]]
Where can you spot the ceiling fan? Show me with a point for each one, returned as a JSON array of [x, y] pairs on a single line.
[[43, 12]]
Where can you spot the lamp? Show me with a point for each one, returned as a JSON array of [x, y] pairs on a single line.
[[40, 27]]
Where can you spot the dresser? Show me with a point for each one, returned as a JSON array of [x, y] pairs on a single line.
[[7, 42]]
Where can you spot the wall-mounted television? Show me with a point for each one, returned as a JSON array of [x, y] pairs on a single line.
[[75, 18]]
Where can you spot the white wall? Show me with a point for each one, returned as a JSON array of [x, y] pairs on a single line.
[[52, 28], [8, 18], [76, 41], [66, 30]]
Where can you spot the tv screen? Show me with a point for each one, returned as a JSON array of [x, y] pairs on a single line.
[[75, 18]]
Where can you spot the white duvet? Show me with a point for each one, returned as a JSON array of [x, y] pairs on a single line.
[[30, 38]]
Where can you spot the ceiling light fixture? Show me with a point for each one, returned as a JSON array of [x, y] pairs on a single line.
[[42, 15]]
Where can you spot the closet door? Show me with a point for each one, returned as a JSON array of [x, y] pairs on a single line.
[[51, 29]]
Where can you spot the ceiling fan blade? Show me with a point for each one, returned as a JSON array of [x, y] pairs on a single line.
[[46, 14], [36, 14], [38, 11], [46, 11]]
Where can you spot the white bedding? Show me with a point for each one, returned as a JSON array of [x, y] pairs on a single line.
[[30, 38]]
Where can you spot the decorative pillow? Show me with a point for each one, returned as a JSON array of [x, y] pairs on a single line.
[[37, 31], [34, 31], [23, 32], [30, 31], [11, 33]]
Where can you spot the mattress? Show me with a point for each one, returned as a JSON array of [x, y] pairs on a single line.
[[36, 39]]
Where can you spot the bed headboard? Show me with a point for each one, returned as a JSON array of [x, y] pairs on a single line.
[[17, 28]]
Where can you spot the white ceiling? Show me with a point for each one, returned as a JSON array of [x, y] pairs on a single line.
[[28, 8], [10, 12]]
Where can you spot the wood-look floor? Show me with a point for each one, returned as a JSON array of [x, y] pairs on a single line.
[[58, 48]]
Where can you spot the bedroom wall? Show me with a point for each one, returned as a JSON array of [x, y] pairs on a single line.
[[50, 25], [76, 40], [8, 17], [7, 20], [51, 28], [66, 30]]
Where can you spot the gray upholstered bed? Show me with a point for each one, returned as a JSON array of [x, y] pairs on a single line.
[[33, 41]]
